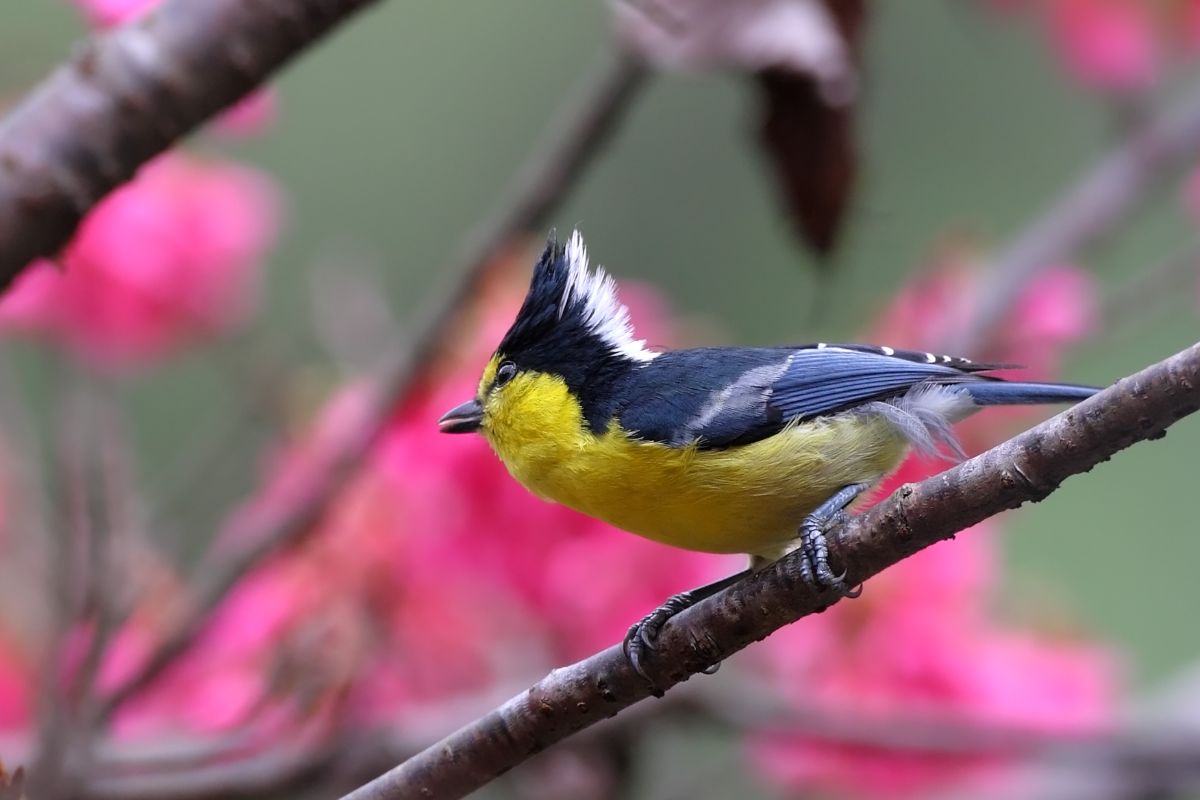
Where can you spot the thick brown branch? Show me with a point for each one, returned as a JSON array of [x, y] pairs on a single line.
[[1026, 468], [126, 96]]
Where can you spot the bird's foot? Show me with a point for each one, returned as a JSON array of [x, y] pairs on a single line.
[[641, 640], [642, 637], [814, 548]]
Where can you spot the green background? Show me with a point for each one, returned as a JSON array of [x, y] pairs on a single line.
[[399, 132]]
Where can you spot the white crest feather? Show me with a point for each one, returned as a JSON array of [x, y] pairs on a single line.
[[603, 314]]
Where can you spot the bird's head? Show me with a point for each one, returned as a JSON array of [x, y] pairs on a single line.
[[572, 339]]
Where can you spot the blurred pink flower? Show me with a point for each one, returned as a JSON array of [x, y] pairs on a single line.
[[170, 258], [253, 115], [1108, 44], [896, 671], [1115, 45], [107, 13], [920, 647], [16, 686], [1057, 310]]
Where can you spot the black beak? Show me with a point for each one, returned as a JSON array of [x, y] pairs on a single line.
[[462, 419]]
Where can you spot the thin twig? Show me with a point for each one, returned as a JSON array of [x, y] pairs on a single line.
[[917, 735], [1108, 192], [573, 138], [115, 522], [1026, 468], [1133, 757], [233, 766], [126, 96], [72, 525], [255, 776]]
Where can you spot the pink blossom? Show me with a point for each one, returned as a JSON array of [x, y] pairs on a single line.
[[172, 258], [1189, 25], [1114, 45], [107, 13], [16, 685], [920, 647], [253, 115], [1109, 44], [1056, 310], [909, 675]]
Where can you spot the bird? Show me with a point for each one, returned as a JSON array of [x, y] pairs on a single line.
[[752, 450]]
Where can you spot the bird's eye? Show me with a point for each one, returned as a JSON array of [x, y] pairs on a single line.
[[505, 373]]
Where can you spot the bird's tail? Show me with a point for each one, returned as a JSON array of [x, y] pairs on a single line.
[[1016, 393]]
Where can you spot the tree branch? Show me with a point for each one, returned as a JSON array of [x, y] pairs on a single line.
[[575, 135], [1026, 468], [1111, 189], [126, 96]]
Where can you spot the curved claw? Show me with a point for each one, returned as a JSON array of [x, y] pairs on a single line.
[[636, 660], [815, 566], [639, 642], [649, 629], [642, 637]]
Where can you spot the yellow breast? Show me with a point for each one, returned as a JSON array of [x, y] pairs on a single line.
[[745, 499]]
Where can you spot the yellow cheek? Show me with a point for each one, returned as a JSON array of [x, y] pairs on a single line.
[[533, 423]]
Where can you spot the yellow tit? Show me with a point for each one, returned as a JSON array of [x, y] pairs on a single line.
[[721, 449]]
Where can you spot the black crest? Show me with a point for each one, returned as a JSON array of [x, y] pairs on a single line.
[[567, 301], [572, 324]]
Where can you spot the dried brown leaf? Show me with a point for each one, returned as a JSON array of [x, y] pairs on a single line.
[[804, 56], [808, 134]]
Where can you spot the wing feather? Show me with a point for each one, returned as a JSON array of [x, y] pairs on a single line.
[[719, 397], [825, 380]]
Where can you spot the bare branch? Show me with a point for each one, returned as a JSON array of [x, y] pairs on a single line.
[[1026, 468], [574, 136], [126, 96], [1110, 190], [252, 777]]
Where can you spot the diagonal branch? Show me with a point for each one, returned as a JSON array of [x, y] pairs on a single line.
[[1026, 468], [1110, 190], [126, 96]]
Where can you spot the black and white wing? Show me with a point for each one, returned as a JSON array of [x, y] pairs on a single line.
[[719, 397]]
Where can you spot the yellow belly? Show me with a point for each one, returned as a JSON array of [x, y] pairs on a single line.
[[747, 499]]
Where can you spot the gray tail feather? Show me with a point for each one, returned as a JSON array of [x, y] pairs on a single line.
[[1014, 393]]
